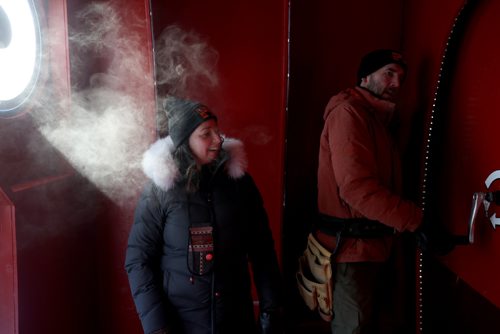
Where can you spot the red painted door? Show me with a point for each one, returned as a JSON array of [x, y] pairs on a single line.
[[460, 292]]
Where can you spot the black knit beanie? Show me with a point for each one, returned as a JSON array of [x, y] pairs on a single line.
[[378, 59], [184, 116]]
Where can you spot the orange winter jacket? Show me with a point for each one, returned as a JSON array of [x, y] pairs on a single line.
[[359, 173]]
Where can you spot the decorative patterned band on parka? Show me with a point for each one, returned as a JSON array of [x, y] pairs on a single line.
[[201, 250]]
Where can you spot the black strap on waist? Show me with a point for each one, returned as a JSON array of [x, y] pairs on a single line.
[[352, 227]]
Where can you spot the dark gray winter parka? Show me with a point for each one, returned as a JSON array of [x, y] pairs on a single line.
[[166, 291]]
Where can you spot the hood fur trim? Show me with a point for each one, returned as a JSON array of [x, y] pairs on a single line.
[[159, 166]]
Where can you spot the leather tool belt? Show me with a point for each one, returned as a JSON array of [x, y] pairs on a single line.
[[352, 227]]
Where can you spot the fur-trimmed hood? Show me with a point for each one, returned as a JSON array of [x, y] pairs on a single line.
[[159, 166]]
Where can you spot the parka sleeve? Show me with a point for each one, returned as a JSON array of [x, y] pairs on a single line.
[[142, 262], [354, 164], [262, 254]]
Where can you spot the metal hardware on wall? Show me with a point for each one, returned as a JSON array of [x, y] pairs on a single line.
[[477, 202], [484, 200]]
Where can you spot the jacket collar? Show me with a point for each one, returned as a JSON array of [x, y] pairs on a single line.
[[159, 166]]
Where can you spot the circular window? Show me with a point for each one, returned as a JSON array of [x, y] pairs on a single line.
[[20, 53]]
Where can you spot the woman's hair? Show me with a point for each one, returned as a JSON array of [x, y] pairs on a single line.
[[190, 175]]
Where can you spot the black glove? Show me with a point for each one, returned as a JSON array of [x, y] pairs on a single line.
[[434, 239], [270, 323]]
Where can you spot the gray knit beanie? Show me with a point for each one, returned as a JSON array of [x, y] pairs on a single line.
[[184, 116]]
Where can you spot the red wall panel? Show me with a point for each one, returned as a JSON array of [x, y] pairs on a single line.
[[70, 233], [250, 39], [8, 270], [71, 236], [470, 156], [460, 291], [128, 65], [327, 41]]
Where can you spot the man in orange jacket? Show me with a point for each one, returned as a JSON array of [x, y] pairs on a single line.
[[359, 192]]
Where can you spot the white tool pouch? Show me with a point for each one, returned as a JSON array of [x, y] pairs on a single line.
[[314, 278]]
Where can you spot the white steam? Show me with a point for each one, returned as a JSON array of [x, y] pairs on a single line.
[[103, 134], [100, 128], [185, 64]]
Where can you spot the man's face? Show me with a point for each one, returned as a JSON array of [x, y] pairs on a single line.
[[385, 82]]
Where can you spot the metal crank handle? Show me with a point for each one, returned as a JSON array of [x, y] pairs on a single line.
[[477, 201]]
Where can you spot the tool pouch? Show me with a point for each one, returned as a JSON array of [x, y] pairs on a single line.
[[314, 278]]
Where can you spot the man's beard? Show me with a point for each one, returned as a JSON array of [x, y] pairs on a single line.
[[382, 93]]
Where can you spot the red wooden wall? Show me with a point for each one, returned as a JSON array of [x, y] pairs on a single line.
[[460, 291], [463, 281], [9, 322], [72, 225], [59, 170], [328, 39], [250, 98]]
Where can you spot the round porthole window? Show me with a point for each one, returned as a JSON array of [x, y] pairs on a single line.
[[20, 54]]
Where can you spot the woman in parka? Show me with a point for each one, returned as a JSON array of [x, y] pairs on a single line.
[[198, 225]]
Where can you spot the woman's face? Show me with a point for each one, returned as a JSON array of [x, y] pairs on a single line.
[[205, 142]]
